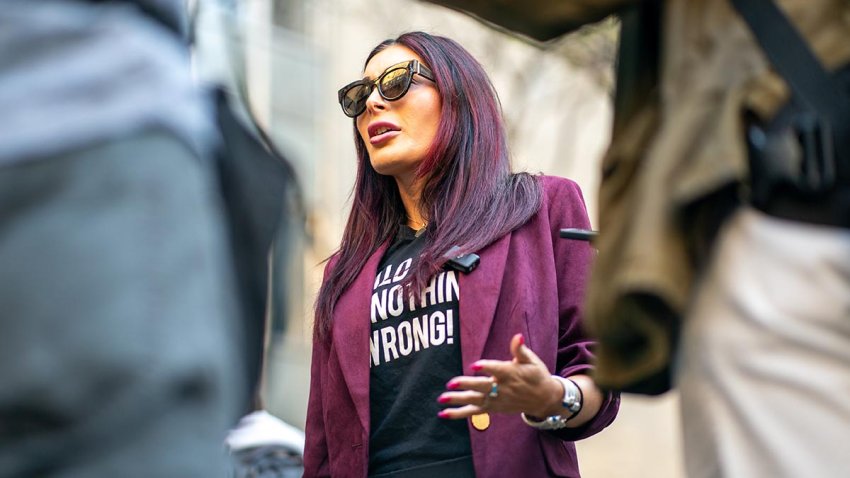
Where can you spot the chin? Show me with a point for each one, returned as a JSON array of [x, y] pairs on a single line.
[[393, 164], [384, 169], [387, 166]]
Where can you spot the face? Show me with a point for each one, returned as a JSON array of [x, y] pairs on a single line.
[[399, 133]]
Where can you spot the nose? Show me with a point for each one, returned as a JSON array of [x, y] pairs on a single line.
[[375, 101]]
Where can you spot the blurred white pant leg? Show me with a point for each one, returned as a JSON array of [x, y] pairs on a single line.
[[764, 367]]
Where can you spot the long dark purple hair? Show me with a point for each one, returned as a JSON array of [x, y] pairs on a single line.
[[470, 197]]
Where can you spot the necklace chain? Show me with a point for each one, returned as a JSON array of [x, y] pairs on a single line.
[[424, 224]]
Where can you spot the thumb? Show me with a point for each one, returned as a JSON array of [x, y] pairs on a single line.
[[519, 351]]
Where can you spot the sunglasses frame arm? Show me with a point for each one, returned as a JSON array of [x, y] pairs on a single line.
[[421, 70]]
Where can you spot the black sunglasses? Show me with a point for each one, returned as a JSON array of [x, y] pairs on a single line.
[[392, 85]]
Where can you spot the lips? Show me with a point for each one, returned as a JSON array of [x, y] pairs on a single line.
[[382, 131]]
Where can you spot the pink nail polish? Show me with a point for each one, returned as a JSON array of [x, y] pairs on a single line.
[[476, 367], [443, 414], [452, 385], [443, 399], [521, 339]]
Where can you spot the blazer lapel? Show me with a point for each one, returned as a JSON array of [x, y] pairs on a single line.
[[479, 294], [351, 334]]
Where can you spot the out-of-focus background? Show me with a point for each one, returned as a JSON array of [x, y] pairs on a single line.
[[557, 105]]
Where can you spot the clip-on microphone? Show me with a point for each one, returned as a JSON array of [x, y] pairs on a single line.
[[465, 263]]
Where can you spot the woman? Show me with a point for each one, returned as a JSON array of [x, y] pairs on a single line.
[[400, 385]]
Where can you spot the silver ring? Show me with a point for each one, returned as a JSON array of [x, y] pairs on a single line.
[[494, 389]]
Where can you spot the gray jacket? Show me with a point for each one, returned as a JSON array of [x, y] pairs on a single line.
[[76, 73]]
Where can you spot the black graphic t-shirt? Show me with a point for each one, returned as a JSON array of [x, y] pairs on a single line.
[[415, 350]]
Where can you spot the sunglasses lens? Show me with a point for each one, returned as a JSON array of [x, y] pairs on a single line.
[[394, 83], [354, 100]]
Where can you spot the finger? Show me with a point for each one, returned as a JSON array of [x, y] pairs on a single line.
[[461, 412], [479, 384], [462, 398], [496, 368]]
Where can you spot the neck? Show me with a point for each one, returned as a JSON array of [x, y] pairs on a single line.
[[410, 192]]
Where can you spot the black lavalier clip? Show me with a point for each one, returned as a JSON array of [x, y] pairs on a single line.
[[465, 263], [578, 234]]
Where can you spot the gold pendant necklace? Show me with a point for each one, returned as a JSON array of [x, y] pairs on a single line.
[[419, 230]]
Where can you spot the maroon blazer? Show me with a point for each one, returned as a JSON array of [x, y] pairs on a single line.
[[529, 281]]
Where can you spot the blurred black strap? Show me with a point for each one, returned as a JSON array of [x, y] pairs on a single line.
[[794, 61]]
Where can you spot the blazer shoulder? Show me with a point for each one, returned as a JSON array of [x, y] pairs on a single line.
[[330, 263], [554, 186], [561, 195]]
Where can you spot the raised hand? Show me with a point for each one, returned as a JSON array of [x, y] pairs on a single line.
[[522, 384]]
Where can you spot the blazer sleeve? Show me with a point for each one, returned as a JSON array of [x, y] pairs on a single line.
[[316, 458], [566, 208]]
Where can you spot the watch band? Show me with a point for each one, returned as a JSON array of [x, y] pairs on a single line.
[[573, 396], [555, 422]]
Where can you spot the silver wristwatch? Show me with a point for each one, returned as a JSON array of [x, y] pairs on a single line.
[[572, 395], [572, 401]]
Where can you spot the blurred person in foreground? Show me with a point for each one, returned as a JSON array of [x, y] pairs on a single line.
[[724, 254], [423, 363], [120, 339]]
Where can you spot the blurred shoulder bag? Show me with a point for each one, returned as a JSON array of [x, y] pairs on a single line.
[[800, 160]]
